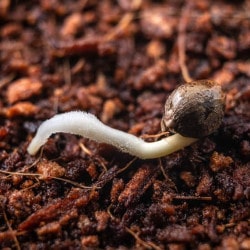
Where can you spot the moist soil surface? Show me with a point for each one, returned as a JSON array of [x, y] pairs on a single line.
[[120, 60]]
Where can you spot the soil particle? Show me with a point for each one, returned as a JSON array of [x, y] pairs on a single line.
[[175, 234], [156, 23], [204, 186], [23, 89], [90, 241], [49, 169], [21, 109], [136, 187], [219, 161]]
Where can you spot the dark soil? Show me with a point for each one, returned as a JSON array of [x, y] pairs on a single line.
[[120, 60]]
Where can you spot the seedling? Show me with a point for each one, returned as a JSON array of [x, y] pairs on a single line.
[[192, 111]]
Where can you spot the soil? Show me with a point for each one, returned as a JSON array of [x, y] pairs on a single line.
[[120, 60]]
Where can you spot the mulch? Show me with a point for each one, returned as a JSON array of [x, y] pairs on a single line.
[[119, 60]]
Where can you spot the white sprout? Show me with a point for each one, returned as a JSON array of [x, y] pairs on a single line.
[[87, 125]]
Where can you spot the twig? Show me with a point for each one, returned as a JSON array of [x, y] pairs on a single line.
[[85, 149], [147, 245], [36, 161], [67, 73], [110, 213], [51, 177], [198, 198], [127, 165], [181, 41], [89, 153], [156, 136], [121, 26], [11, 230], [169, 181]]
